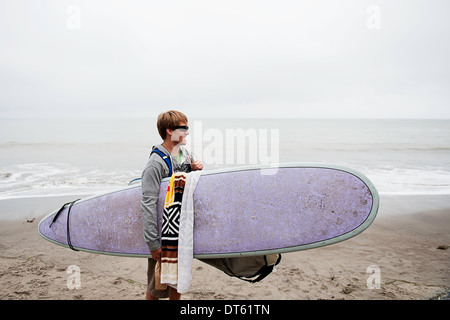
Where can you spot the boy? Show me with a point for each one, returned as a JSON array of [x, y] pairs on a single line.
[[165, 159]]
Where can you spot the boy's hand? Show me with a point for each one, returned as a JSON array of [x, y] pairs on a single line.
[[196, 165], [156, 255]]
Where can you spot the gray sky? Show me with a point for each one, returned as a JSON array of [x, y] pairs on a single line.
[[336, 58]]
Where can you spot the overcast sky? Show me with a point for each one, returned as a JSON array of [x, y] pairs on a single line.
[[310, 58]]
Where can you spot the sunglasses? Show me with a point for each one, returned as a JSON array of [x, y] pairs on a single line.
[[184, 128]]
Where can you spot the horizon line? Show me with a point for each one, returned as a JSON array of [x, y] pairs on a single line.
[[220, 117]]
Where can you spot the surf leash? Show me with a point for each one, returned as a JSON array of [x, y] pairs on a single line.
[[70, 204], [134, 180]]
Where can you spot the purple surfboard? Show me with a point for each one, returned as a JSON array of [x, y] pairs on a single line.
[[239, 212]]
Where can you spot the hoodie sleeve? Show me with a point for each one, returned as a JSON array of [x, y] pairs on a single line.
[[151, 180]]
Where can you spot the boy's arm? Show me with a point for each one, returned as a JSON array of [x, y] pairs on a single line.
[[151, 180]]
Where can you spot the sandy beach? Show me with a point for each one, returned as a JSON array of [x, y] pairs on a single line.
[[407, 244]]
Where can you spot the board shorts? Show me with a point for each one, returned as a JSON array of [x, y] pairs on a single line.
[[151, 281]]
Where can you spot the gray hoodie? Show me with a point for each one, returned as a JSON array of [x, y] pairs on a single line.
[[155, 170]]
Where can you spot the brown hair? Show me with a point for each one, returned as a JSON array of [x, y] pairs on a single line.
[[169, 120]]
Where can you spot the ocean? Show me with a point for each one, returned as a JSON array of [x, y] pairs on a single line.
[[47, 157]]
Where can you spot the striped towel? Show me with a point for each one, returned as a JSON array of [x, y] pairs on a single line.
[[170, 229], [177, 238]]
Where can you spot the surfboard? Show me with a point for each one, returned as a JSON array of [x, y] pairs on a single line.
[[237, 212]]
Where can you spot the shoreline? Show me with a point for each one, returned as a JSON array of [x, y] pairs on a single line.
[[402, 242]]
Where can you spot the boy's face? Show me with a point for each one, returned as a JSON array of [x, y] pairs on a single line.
[[179, 134]]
